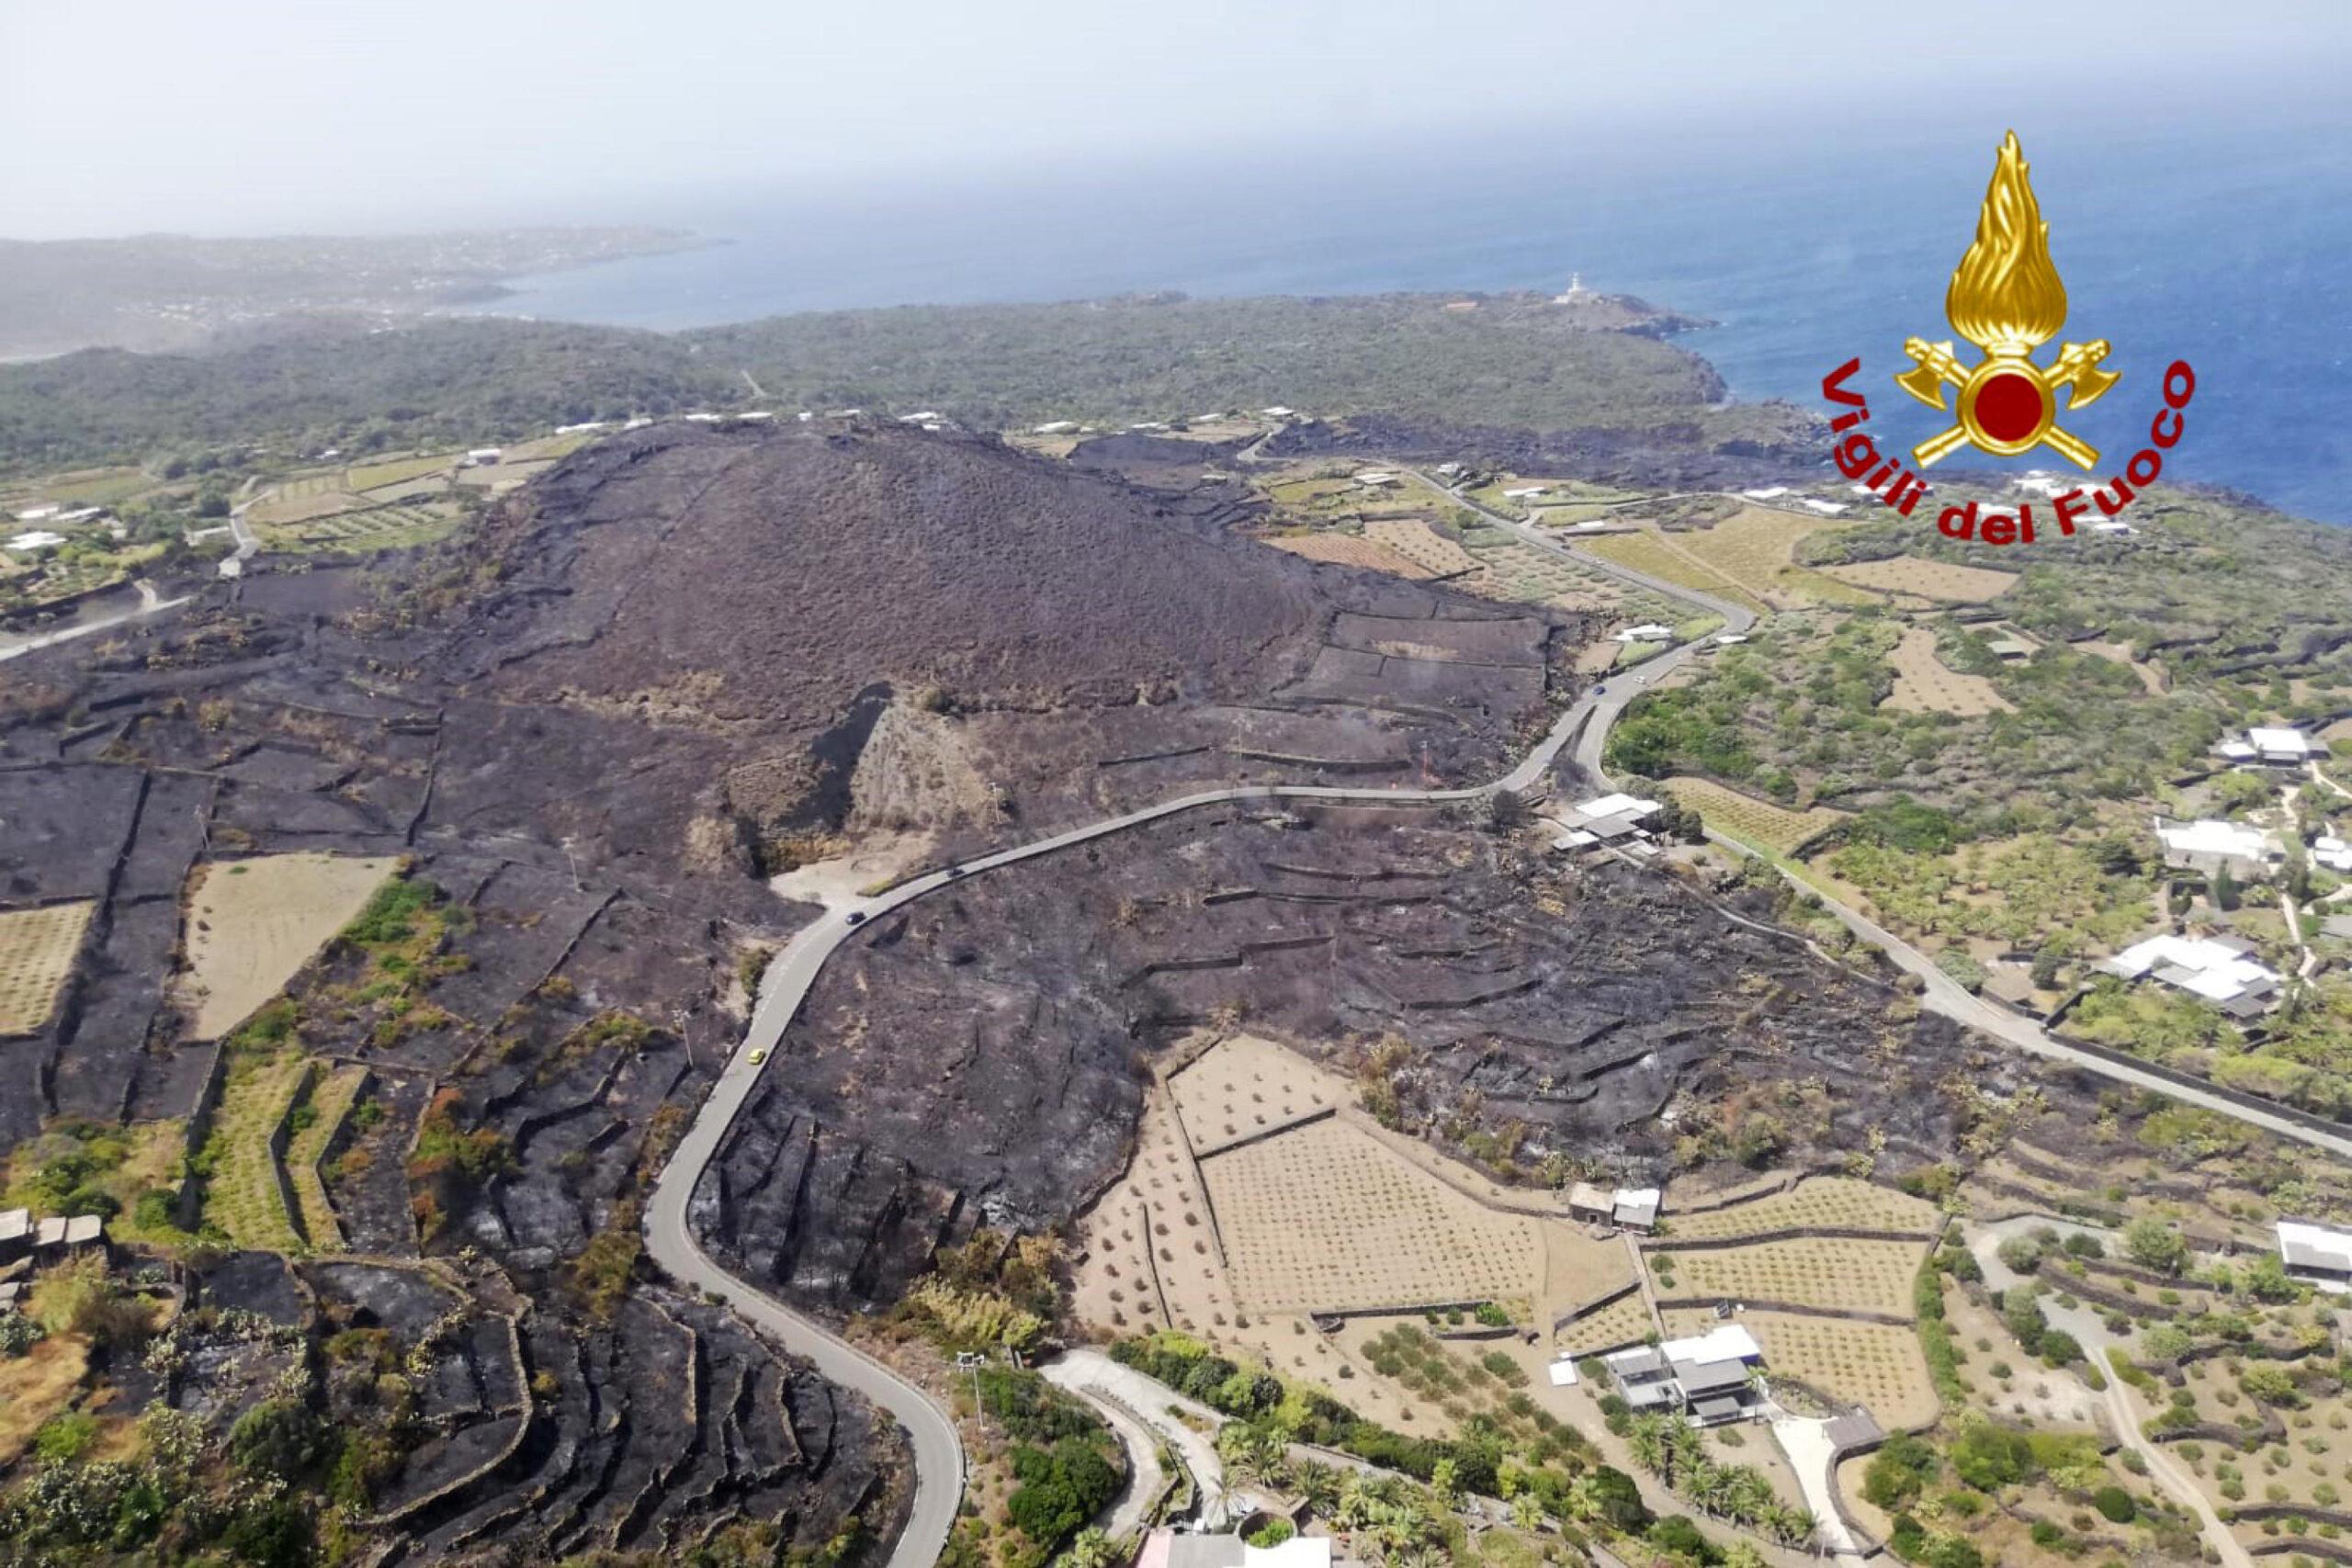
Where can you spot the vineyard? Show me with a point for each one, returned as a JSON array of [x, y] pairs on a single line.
[[1925, 683], [1827, 1203], [1833, 1275], [1938, 580], [396, 527], [1625, 1321], [1755, 547], [1754, 821], [242, 1196], [399, 470], [1877, 1365], [330, 1104], [36, 951], [1648, 552]]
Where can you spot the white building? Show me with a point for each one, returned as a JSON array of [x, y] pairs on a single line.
[[2279, 744], [2209, 845], [2316, 1255], [2219, 969], [39, 514], [1054, 427], [1824, 508], [1650, 633], [1768, 493], [1706, 1376], [2333, 852], [483, 457], [1278, 412], [1525, 492], [33, 540]]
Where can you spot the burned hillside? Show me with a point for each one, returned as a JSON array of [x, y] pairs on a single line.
[[982, 1057]]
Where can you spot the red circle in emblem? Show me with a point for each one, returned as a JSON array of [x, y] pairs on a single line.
[[2008, 407]]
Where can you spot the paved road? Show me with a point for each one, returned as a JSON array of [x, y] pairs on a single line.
[[1814, 1460], [150, 603], [1131, 1510], [2090, 1331]]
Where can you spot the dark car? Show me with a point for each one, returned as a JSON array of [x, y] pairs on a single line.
[[857, 917]]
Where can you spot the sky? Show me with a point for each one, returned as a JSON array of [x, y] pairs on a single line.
[[239, 116]]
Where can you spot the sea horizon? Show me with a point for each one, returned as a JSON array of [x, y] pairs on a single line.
[[2173, 246]]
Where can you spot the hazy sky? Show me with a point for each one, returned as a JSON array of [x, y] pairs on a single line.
[[271, 116]]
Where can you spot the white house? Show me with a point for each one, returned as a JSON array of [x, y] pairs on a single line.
[[1768, 493], [2038, 482], [2316, 1255], [2279, 744], [1525, 492], [1277, 411], [2207, 845], [2219, 969], [1650, 633], [39, 514], [1825, 508], [1706, 1376], [483, 457], [2333, 852], [1054, 427], [33, 540], [2112, 525]]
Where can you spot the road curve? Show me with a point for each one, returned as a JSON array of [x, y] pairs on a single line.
[[939, 1459]]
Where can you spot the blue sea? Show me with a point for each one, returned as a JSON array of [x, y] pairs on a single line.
[[2221, 239]]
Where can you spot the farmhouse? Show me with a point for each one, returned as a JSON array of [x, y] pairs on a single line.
[[33, 540], [60, 1234], [1824, 508], [2282, 745], [484, 456], [1523, 492], [2219, 969], [1652, 632], [1277, 411], [39, 514], [1636, 1208], [1707, 1377], [2331, 851], [1054, 427], [1610, 816], [1376, 478], [2316, 1255], [1768, 493], [15, 1233], [1586, 1202], [2210, 846]]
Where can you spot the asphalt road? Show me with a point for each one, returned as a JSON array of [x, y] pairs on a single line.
[[938, 1452]]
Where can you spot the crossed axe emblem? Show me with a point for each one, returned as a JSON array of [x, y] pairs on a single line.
[[2007, 404]]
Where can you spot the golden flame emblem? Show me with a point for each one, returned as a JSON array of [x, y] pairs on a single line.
[[2007, 298]]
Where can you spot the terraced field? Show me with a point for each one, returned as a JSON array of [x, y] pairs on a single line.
[[1625, 1321], [1832, 1275], [1524, 574], [397, 470], [36, 951], [1829, 1202], [1650, 552], [1925, 683], [1876, 1365], [1939, 581], [1743, 817], [1348, 549], [1421, 545], [1756, 548], [332, 1098], [241, 1195], [364, 532]]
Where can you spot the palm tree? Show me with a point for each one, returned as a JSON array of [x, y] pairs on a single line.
[[1709, 1487], [1357, 1504], [1319, 1485], [1647, 1443], [1583, 1502], [1742, 1554], [1527, 1512], [1748, 1497], [1445, 1484], [1090, 1548]]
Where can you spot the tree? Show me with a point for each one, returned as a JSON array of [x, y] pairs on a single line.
[[2151, 1244], [1508, 811], [277, 1437]]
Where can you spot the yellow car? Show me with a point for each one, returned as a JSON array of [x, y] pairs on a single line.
[[758, 1056]]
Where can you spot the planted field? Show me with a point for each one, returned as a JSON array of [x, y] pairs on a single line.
[[1243, 1086], [1653, 554], [253, 923], [1925, 683], [241, 1195], [36, 951], [1939, 580], [1423, 545], [1833, 1275], [1827, 1203], [1523, 573], [1743, 817], [96, 487], [1148, 1258], [329, 1105], [1625, 1321], [375, 528], [1876, 1365], [1346, 550], [1325, 1217], [399, 470], [280, 510], [1755, 547]]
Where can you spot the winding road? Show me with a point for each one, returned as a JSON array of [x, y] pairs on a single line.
[[939, 1459]]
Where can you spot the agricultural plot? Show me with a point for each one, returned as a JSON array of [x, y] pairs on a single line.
[[1743, 817], [1826, 1203], [1925, 683], [280, 509], [1939, 580], [329, 1105], [241, 1195], [1423, 545], [1324, 1217], [1832, 1275], [1625, 1321], [1243, 1086], [36, 951], [1347, 549], [1148, 1256], [1523, 573], [253, 923], [1876, 1365], [399, 470], [1653, 554], [1755, 547], [364, 532]]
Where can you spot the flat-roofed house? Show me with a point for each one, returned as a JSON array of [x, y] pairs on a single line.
[[2209, 845], [2279, 744], [1587, 1202], [1636, 1208], [15, 1233], [2218, 969], [2316, 1255]]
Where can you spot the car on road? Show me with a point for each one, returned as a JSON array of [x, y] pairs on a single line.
[[954, 871], [758, 1056], [857, 917], [1601, 691]]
